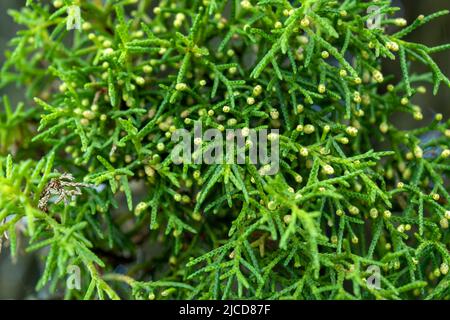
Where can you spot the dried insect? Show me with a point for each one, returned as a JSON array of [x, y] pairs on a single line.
[[4, 235], [64, 187]]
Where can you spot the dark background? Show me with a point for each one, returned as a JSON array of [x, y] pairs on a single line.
[[17, 279]]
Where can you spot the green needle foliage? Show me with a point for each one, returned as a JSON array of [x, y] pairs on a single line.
[[86, 174]]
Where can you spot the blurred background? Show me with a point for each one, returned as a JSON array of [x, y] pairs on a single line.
[[18, 278]]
